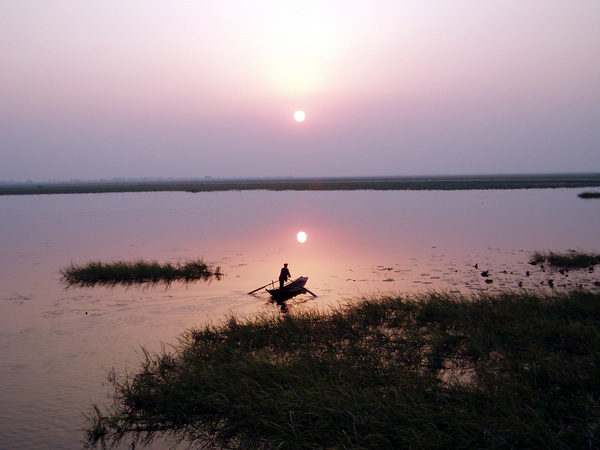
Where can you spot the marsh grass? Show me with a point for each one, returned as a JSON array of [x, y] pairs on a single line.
[[427, 370], [588, 195], [97, 273], [569, 260]]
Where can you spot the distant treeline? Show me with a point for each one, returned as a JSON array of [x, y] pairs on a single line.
[[432, 183]]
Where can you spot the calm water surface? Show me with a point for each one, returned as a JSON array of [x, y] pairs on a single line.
[[58, 344]]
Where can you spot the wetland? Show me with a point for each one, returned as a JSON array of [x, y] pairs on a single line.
[[59, 344]]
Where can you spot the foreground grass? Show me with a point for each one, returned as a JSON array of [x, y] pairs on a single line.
[[128, 273], [568, 260], [430, 370]]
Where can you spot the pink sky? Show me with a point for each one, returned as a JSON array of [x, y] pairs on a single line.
[[148, 88]]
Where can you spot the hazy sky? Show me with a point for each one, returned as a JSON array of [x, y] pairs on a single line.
[[189, 88]]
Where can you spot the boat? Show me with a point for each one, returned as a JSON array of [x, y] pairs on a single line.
[[290, 290]]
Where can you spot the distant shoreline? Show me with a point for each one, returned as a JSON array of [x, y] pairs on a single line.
[[449, 182]]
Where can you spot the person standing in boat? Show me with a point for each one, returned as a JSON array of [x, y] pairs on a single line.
[[284, 275]]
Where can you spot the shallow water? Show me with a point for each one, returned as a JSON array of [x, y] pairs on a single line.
[[58, 344]]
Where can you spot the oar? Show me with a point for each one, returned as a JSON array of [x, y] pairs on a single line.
[[258, 289], [311, 293]]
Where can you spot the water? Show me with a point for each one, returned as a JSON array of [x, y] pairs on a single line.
[[57, 345]]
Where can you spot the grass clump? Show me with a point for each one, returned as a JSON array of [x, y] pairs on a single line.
[[427, 370], [137, 272], [587, 195], [569, 260]]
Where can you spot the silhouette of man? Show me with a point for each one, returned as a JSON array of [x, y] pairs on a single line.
[[284, 275]]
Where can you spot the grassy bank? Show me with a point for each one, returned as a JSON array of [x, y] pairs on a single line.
[[427, 370], [465, 182], [128, 273]]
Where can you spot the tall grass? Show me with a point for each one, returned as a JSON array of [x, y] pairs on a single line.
[[421, 371], [136, 272], [569, 260]]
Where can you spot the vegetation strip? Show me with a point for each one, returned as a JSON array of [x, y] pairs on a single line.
[[569, 260], [464, 182], [128, 273], [417, 371], [587, 195]]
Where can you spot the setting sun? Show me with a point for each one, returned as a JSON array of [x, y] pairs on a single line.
[[299, 116], [302, 237]]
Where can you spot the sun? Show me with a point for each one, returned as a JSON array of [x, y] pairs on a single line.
[[299, 116], [301, 237]]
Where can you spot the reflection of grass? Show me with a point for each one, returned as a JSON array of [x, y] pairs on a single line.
[[128, 273], [569, 260], [589, 195], [428, 370]]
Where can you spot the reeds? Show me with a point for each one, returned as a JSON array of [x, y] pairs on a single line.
[[137, 272], [569, 260], [421, 371], [588, 195]]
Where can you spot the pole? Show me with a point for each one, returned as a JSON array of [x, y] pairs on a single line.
[[258, 289]]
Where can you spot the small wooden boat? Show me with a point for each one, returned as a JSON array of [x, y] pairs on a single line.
[[290, 290]]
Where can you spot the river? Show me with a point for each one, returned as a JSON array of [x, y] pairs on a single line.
[[59, 343]]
